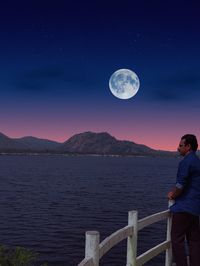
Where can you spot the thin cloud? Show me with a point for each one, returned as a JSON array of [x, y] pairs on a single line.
[[177, 87], [53, 78], [45, 73]]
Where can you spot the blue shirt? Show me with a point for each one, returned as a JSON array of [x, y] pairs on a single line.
[[188, 178]]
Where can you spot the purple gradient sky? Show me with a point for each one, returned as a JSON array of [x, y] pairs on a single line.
[[57, 58]]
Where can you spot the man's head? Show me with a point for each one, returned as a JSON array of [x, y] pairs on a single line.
[[187, 144]]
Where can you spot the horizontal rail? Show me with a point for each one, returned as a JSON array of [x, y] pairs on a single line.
[[114, 239], [86, 262], [153, 252], [154, 218]]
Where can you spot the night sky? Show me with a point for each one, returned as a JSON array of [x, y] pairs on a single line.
[[56, 58]]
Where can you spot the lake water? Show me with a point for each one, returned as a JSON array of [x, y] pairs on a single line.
[[48, 202]]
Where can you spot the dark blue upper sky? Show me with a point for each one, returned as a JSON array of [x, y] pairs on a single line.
[[57, 57]]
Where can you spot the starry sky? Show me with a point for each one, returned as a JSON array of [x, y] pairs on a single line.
[[56, 58]]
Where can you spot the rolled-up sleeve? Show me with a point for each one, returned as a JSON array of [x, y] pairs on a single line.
[[182, 174]]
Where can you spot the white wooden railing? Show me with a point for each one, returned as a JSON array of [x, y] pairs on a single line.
[[94, 250]]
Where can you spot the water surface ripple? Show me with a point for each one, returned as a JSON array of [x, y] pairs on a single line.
[[48, 202]]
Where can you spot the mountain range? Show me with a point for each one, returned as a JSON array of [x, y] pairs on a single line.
[[83, 143]]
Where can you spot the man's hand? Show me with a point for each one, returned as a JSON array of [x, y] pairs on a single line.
[[176, 192], [170, 195]]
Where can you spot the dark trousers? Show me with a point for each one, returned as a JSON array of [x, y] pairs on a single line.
[[185, 226]]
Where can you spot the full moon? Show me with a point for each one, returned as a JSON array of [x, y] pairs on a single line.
[[124, 84]]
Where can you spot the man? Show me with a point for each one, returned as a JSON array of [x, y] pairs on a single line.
[[186, 209]]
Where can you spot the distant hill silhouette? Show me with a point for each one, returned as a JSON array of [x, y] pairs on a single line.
[[38, 144], [26, 144], [102, 143], [8, 144], [83, 143]]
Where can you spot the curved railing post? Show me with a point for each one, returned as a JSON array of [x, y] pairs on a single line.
[[168, 256], [132, 240], [92, 246]]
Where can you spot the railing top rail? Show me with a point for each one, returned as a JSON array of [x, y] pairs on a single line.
[[154, 218], [114, 239]]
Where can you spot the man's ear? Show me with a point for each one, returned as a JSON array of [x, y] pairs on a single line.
[[189, 146]]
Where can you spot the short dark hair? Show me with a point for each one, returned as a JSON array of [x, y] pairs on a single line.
[[192, 140]]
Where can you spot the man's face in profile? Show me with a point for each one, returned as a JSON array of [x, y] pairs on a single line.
[[183, 148]]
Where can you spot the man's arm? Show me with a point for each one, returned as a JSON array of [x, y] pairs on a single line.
[[181, 180]]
